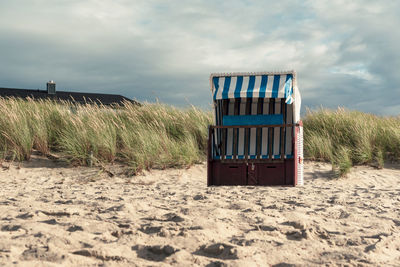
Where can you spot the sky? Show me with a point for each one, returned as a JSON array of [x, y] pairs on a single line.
[[345, 53]]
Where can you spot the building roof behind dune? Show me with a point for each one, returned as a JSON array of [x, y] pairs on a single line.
[[78, 97]]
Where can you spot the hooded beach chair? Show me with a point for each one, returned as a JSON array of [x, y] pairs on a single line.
[[257, 138]]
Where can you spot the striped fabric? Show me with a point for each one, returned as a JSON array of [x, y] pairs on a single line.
[[253, 109], [253, 86], [262, 94]]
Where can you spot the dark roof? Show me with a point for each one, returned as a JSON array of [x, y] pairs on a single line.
[[106, 99]]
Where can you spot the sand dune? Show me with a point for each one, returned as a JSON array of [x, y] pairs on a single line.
[[53, 214]]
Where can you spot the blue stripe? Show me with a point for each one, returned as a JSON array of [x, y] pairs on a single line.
[[239, 83], [216, 86], [252, 80], [289, 156], [263, 119], [253, 156], [263, 86], [275, 88], [226, 87], [288, 86]]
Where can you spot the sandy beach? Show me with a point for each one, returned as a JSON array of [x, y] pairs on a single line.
[[54, 214]]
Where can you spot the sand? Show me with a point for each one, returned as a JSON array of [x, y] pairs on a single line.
[[53, 214]]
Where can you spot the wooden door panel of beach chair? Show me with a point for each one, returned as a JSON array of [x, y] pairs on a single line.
[[230, 174], [271, 174]]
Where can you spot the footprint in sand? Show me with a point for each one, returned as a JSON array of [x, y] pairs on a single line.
[[243, 242], [97, 255], [218, 250], [114, 208], [267, 228], [169, 217], [154, 253], [172, 217], [56, 213], [51, 221], [63, 202], [10, 227], [199, 197], [41, 254], [24, 216], [74, 228], [149, 229]]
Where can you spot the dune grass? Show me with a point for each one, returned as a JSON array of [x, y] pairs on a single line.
[[146, 136], [346, 138], [161, 136]]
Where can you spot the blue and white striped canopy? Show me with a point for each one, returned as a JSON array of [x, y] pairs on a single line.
[[253, 85]]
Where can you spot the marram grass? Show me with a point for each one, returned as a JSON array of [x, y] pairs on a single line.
[[161, 136], [146, 136], [346, 138]]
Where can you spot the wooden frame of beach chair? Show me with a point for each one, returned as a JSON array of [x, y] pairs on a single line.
[[257, 136]]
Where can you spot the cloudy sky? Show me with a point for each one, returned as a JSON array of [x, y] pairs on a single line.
[[346, 53]]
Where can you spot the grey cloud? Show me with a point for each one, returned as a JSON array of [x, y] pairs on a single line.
[[345, 53]]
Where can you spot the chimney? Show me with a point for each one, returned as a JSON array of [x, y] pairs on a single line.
[[51, 88]]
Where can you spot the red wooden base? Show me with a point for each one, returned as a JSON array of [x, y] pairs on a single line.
[[282, 173]]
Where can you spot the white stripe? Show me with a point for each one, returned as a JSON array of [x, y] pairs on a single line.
[[257, 85], [221, 82], [245, 85], [289, 130], [229, 138], [270, 83], [241, 131], [266, 106], [264, 146], [277, 132], [231, 92], [282, 82], [253, 131]]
